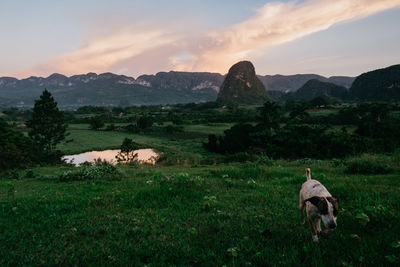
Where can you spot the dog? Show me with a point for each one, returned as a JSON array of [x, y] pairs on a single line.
[[319, 204]]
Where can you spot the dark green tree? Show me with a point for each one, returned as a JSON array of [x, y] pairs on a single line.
[[270, 115], [127, 153], [144, 122], [96, 122], [298, 111], [47, 125], [318, 101]]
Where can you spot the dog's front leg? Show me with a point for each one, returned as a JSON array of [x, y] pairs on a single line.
[[318, 225], [313, 228]]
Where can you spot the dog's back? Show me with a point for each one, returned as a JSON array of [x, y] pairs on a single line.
[[312, 188]]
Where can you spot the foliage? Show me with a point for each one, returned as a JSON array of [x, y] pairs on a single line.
[[127, 153], [47, 126], [318, 101], [132, 128], [144, 122], [270, 115], [16, 150], [92, 109], [367, 164], [110, 127], [103, 171], [236, 139], [277, 137], [173, 129], [97, 122]]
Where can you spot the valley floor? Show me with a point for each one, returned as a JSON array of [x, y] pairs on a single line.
[[232, 214]]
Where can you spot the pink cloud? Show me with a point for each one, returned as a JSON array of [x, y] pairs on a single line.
[[141, 50]]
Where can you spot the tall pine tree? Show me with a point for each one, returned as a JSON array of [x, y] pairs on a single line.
[[47, 126]]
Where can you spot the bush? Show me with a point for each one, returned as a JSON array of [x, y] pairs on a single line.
[[132, 128], [110, 127], [104, 171], [173, 129], [29, 174], [17, 150], [367, 165], [96, 123], [9, 175]]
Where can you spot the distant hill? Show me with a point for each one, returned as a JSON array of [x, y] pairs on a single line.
[[108, 89], [314, 88], [377, 85], [182, 80], [241, 85], [111, 89], [291, 83]]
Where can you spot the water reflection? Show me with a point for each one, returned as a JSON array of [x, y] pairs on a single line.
[[147, 155]]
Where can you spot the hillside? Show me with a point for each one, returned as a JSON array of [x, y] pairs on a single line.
[[241, 85], [162, 88], [111, 89], [314, 88], [290, 83], [377, 85]]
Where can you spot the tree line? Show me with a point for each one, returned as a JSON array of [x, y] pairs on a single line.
[[290, 133], [47, 128]]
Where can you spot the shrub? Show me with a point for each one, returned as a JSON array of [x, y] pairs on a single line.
[[17, 150], [104, 171], [367, 165], [96, 123], [110, 127], [9, 175], [173, 129], [240, 157], [132, 128], [29, 174], [265, 160]]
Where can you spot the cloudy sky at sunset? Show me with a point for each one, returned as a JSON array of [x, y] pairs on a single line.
[[133, 37]]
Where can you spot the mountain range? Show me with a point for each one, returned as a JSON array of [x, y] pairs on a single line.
[[108, 89]]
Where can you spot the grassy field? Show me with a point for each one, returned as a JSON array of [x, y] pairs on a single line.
[[189, 141], [183, 212], [237, 214]]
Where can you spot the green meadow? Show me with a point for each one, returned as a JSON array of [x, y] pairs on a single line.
[[195, 207], [233, 214]]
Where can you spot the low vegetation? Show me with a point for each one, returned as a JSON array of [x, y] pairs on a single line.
[[224, 191], [229, 214]]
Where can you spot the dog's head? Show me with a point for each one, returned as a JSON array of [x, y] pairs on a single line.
[[328, 208]]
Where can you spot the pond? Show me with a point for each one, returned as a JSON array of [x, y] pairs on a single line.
[[147, 155]]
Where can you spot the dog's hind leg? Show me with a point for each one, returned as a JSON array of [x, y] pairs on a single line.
[[302, 207]]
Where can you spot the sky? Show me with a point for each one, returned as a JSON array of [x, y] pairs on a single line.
[[134, 37]]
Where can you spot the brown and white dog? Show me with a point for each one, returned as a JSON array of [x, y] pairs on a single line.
[[319, 204]]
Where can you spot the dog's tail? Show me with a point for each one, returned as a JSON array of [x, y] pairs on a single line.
[[308, 174]]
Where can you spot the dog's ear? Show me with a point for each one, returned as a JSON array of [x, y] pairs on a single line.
[[334, 200], [320, 203], [314, 200]]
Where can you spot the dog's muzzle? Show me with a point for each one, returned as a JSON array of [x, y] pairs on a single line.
[[332, 225]]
